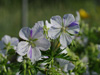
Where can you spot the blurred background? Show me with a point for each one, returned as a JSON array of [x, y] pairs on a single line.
[[16, 13]]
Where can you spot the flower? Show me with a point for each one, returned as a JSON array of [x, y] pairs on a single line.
[[48, 25], [63, 28], [7, 43], [83, 13], [39, 73], [19, 58], [34, 42], [98, 47], [65, 64]]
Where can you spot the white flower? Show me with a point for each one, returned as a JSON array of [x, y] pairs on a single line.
[[18, 73], [82, 40], [85, 59], [39, 73], [65, 64], [40, 23], [63, 28], [20, 58], [34, 42], [8, 41], [78, 16], [87, 71], [48, 24], [94, 73], [98, 47], [64, 50]]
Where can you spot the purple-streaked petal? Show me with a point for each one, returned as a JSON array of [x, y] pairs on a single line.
[[24, 33], [31, 33], [30, 53], [22, 48], [38, 31], [6, 39], [54, 33], [73, 24], [68, 19], [57, 19], [42, 43], [73, 28], [55, 24], [36, 54], [65, 39]]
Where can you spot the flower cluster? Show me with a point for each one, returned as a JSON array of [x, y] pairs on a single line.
[[45, 40], [8, 43]]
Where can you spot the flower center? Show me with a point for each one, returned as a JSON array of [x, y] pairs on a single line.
[[31, 42], [64, 29]]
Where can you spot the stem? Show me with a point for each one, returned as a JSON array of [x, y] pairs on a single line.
[[32, 71], [52, 61], [29, 71], [4, 68], [24, 68]]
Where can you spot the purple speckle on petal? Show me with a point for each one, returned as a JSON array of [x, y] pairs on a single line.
[[30, 52], [73, 24], [31, 32], [76, 32]]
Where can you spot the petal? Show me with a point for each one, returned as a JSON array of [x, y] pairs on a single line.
[[62, 62], [73, 28], [6, 39], [98, 47], [30, 52], [36, 54], [68, 19], [65, 39], [78, 16], [55, 24], [37, 31], [64, 51], [20, 59], [48, 24], [40, 73], [24, 33], [53, 33], [70, 66], [1, 45], [14, 41], [40, 23], [22, 48], [18, 73], [3, 52], [65, 64], [56, 20], [42, 43]]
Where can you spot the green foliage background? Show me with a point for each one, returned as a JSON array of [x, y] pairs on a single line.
[[10, 12]]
